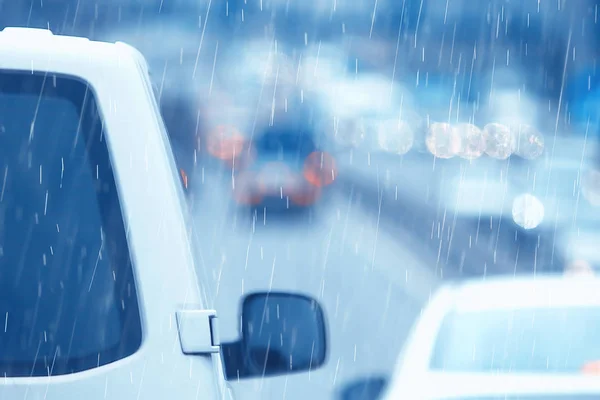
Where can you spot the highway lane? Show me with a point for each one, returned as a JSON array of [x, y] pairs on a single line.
[[370, 283]]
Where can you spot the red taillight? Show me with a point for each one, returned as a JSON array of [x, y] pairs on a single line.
[[591, 368], [226, 143], [320, 169], [184, 178]]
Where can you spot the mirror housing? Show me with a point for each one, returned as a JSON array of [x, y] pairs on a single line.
[[282, 333]]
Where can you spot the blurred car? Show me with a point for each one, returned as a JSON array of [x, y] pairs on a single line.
[[280, 168], [366, 388], [511, 337]]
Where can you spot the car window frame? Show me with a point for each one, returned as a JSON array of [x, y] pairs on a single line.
[[110, 212]]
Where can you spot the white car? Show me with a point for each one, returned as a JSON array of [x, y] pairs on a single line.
[[99, 292], [505, 338]]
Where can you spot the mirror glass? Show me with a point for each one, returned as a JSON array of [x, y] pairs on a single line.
[[283, 332]]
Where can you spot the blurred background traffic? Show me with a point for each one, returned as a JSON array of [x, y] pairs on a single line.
[[364, 151]]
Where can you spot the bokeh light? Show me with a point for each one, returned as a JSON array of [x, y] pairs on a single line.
[[529, 142], [499, 140], [442, 140], [225, 142], [347, 131], [320, 169], [527, 211], [471, 139], [395, 136]]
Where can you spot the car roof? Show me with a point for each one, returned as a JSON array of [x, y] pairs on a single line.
[[540, 291], [62, 54]]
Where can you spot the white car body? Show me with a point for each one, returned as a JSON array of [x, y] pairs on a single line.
[[414, 379], [158, 237]]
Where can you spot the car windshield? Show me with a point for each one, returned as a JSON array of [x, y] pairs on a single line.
[[537, 340], [67, 297]]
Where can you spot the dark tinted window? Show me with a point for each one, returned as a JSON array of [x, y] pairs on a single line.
[[67, 296], [521, 340], [290, 141]]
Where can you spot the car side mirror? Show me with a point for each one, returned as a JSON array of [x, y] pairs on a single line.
[[282, 333]]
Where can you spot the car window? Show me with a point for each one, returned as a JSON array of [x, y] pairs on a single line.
[[67, 296], [539, 340], [276, 140]]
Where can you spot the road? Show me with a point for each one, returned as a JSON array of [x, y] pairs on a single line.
[[370, 284]]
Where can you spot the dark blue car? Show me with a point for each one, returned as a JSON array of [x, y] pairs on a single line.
[[285, 169]]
